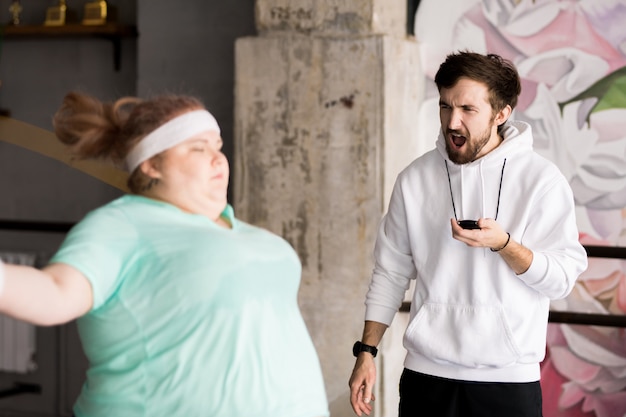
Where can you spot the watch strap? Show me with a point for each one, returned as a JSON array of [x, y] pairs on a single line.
[[362, 347]]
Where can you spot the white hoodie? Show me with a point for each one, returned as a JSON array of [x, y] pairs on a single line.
[[472, 318]]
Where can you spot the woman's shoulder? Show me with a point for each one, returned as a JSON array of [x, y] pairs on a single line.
[[110, 217]]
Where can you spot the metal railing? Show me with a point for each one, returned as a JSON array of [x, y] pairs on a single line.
[[35, 226]]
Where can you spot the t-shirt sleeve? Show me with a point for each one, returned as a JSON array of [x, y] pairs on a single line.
[[100, 246]]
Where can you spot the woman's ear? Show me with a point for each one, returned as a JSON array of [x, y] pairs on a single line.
[[151, 168]]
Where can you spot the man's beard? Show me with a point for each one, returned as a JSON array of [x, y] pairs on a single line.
[[472, 151]]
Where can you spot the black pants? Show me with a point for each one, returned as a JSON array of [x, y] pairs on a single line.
[[428, 396]]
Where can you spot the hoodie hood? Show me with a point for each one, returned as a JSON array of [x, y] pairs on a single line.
[[475, 188]]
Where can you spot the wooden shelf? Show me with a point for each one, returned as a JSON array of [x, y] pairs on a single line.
[[110, 31], [69, 30]]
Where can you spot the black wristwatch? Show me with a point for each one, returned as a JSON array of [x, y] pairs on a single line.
[[361, 347]]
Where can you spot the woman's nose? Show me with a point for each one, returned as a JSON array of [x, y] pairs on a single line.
[[218, 158]]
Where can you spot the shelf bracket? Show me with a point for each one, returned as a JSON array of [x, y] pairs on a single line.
[[20, 388]]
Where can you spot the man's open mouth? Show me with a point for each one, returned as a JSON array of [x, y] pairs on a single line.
[[458, 140]]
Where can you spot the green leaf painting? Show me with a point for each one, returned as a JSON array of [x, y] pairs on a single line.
[[608, 93]]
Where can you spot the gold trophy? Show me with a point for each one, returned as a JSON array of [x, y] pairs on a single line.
[[15, 9], [95, 13], [55, 15]]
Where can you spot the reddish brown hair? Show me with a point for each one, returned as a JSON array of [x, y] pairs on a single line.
[[93, 129]]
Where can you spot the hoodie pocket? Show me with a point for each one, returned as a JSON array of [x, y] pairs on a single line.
[[471, 336]]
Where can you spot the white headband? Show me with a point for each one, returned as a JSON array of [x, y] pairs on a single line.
[[170, 134]]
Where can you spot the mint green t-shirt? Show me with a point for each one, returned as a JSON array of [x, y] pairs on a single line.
[[189, 318]]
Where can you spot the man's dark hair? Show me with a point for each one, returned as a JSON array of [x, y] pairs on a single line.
[[498, 74]]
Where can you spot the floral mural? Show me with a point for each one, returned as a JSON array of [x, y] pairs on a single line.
[[571, 56]]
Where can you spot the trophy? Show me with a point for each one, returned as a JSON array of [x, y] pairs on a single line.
[[95, 13], [15, 9], [55, 15]]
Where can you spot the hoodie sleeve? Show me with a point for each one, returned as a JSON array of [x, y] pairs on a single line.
[[552, 236], [393, 263]]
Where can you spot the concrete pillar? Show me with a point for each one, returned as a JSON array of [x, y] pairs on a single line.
[[326, 98]]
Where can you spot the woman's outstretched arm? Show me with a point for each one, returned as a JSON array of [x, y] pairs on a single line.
[[53, 295]]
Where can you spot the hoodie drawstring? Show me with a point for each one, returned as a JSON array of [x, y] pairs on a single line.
[[483, 189], [500, 189]]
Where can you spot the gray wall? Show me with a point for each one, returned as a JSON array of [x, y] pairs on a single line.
[[182, 47], [188, 47], [35, 74]]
